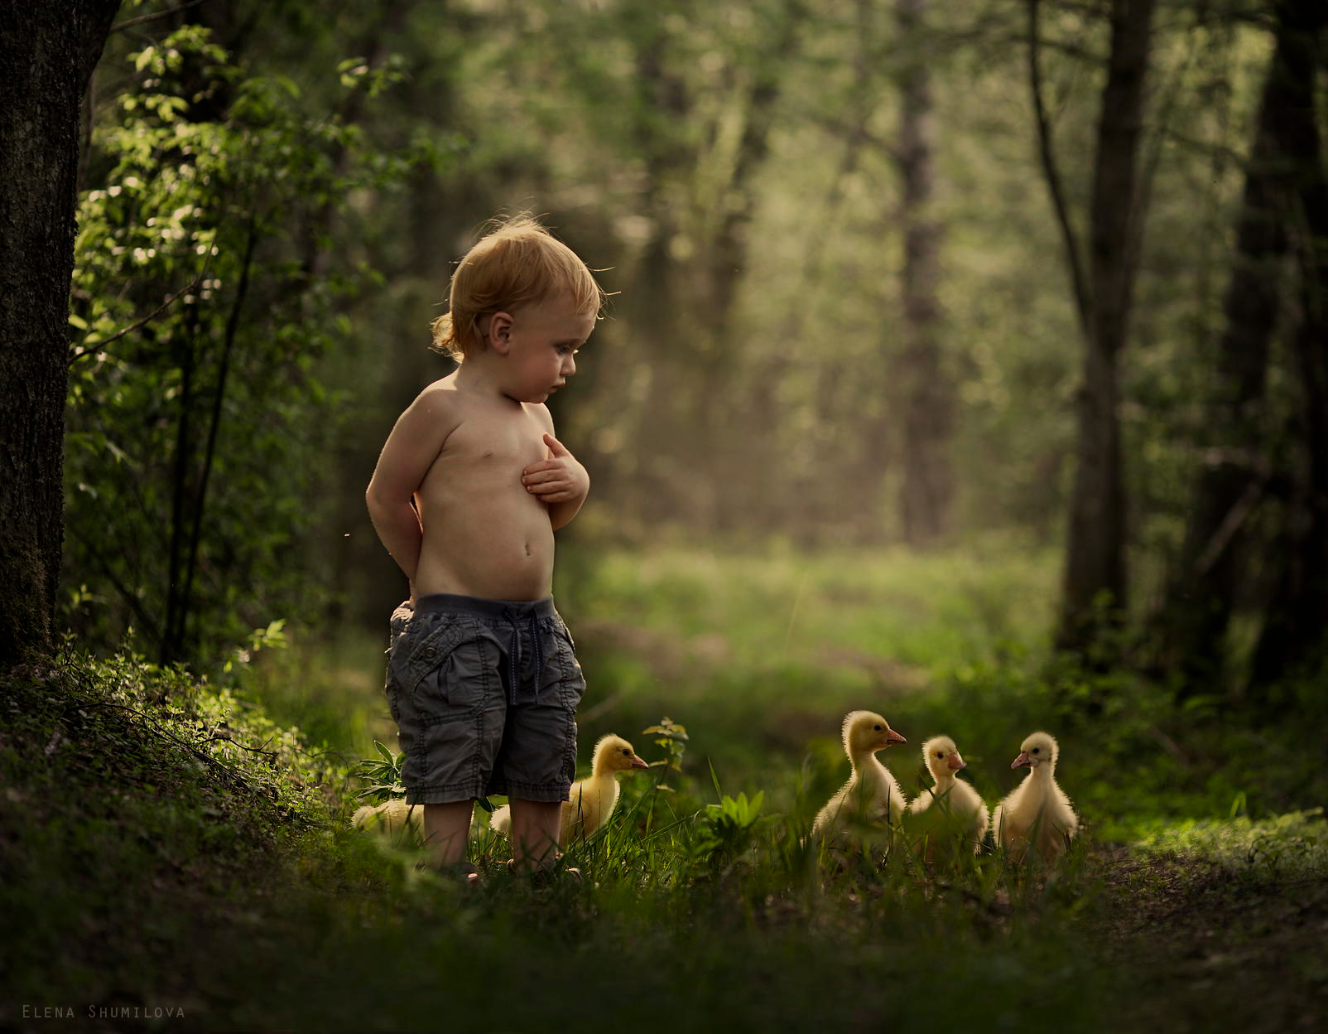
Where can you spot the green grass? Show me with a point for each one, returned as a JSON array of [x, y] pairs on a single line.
[[152, 859]]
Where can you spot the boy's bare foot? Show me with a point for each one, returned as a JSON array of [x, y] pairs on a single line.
[[462, 872], [543, 875]]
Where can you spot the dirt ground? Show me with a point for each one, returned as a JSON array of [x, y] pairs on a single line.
[[1216, 949]]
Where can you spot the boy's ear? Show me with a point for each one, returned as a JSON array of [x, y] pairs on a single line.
[[499, 335]]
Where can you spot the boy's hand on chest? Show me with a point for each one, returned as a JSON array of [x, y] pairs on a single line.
[[558, 478]]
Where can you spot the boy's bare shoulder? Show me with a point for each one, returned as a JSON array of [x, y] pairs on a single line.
[[442, 391], [439, 402], [429, 421], [418, 437]]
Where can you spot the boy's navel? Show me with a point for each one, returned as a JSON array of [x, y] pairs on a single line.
[[527, 549]]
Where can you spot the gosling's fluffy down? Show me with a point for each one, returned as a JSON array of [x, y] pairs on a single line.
[[390, 817], [1036, 813], [956, 809], [592, 800], [871, 796]]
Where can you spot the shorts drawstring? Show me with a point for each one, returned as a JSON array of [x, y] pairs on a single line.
[[514, 653]]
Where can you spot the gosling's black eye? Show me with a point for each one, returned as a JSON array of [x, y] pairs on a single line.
[[626, 752], [940, 753], [877, 728], [1035, 750]]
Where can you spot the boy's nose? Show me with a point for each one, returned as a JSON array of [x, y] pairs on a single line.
[[569, 366]]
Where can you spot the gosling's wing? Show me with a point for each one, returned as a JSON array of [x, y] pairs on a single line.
[[974, 808], [980, 829], [501, 820], [1065, 813], [592, 808], [360, 819], [827, 819], [574, 813], [892, 802]]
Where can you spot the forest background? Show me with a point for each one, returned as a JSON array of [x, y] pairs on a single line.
[[876, 281], [964, 356]]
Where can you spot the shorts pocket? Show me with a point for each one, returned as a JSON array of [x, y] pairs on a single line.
[[457, 686], [422, 649]]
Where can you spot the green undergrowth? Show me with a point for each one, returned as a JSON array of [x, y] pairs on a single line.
[[1290, 846], [762, 655], [138, 805], [168, 845], [176, 841]]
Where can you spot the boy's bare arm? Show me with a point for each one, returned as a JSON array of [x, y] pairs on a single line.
[[411, 448], [560, 482]]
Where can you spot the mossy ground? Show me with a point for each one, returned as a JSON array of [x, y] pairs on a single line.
[[168, 844]]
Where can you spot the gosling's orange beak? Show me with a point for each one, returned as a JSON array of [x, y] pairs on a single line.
[[638, 763], [954, 762], [1022, 761], [893, 737]]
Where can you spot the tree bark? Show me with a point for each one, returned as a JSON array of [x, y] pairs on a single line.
[[1202, 596], [47, 53], [1095, 569], [1294, 640], [928, 396]]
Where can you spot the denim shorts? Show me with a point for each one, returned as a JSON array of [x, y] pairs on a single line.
[[484, 693]]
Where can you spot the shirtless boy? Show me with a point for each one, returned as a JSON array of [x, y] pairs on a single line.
[[468, 491]]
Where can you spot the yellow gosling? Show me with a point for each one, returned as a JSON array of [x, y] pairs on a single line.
[[871, 796], [957, 814], [390, 817], [592, 800], [1036, 813]]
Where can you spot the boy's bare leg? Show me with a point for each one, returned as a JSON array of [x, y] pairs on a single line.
[[446, 827], [535, 832]]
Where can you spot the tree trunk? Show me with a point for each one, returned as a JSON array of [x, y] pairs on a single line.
[[47, 52], [723, 447], [1095, 570], [1295, 635], [927, 396], [1202, 596], [651, 307]]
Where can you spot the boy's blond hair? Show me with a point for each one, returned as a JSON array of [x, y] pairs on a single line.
[[518, 264]]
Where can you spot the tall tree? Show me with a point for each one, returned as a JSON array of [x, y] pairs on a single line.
[[47, 53], [1295, 634], [728, 250], [927, 392], [1096, 552], [1202, 596]]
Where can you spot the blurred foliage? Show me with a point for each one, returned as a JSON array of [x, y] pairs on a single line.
[[199, 406]]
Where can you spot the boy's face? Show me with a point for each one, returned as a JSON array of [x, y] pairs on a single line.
[[542, 341]]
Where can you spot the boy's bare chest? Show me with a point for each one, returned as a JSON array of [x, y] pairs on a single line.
[[504, 442]]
